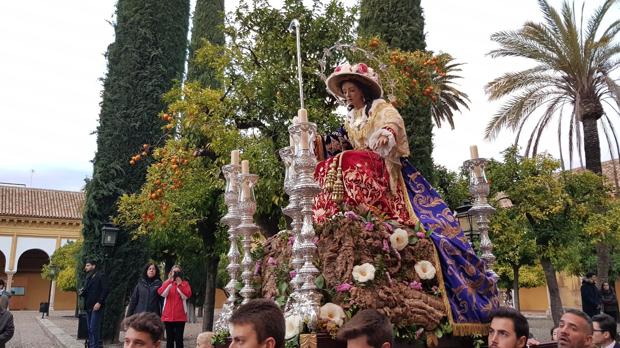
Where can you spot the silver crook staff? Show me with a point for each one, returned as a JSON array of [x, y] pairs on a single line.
[[295, 26]]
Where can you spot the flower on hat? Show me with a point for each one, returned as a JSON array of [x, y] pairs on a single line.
[[399, 239], [363, 273], [293, 326], [362, 68], [332, 312], [338, 68], [425, 269]]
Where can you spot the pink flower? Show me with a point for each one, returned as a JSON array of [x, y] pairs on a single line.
[[291, 240], [338, 68], [420, 235], [415, 285], [388, 227], [271, 261], [350, 215], [369, 226], [419, 333], [344, 287], [362, 68], [256, 268], [292, 274], [386, 247]]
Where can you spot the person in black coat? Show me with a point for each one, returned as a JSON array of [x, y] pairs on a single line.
[[590, 296], [95, 291], [145, 297], [610, 302]]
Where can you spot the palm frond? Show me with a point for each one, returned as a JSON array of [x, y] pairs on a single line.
[[517, 107], [609, 128], [512, 82], [597, 18], [560, 140]]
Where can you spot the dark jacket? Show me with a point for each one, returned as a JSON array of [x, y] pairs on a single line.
[[7, 328], [145, 297], [95, 290], [590, 298], [610, 303]]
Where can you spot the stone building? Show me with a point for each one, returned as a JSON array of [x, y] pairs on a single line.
[[33, 224]]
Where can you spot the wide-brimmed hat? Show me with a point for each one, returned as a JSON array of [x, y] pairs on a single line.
[[359, 72]]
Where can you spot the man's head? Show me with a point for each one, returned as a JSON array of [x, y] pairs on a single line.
[[604, 329], [591, 277], [367, 329], [90, 265], [257, 324], [508, 329], [144, 330], [575, 330]]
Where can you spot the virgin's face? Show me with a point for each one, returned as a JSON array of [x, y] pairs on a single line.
[[150, 272], [353, 94]]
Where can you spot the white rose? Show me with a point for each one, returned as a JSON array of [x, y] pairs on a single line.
[[399, 239], [293, 326], [425, 269], [363, 273], [332, 312]]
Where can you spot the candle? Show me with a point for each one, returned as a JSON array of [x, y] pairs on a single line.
[[473, 151], [304, 144], [245, 186], [234, 157], [302, 114]]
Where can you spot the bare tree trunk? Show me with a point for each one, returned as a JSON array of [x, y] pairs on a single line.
[[592, 145], [208, 307], [554, 290], [515, 287], [602, 262]]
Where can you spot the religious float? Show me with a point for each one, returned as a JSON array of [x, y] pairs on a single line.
[[367, 231]]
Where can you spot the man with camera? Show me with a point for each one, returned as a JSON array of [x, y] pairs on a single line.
[[175, 292], [95, 291]]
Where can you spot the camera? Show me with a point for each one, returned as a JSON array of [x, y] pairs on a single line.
[[82, 292], [177, 274]]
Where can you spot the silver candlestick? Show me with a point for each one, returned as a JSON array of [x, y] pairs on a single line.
[[247, 208], [232, 220], [306, 188], [479, 189], [293, 210]]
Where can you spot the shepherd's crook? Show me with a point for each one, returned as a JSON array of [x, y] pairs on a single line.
[[295, 26]]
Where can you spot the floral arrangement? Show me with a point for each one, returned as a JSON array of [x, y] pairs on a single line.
[[366, 262]]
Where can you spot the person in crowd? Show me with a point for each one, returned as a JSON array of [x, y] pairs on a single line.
[[508, 329], [7, 327], [554, 333], [604, 331], [257, 324], [575, 330], [367, 329], [175, 291], [145, 297], [609, 300], [204, 340], [143, 330], [590, 296], [95, 291], [3, 290]]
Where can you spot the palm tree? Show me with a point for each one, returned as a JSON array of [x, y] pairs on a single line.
[[570, 81]]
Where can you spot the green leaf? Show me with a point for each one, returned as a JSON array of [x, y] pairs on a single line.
[[320, 282]]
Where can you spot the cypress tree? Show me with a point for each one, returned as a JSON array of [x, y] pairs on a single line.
[[207, 25], [148, 54], [401, 24]]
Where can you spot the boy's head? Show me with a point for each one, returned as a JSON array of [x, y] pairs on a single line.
[[367, 329], [143, 330], [257, 324], [204, 340]]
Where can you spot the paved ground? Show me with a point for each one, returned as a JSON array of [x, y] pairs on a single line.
[[28, 333]]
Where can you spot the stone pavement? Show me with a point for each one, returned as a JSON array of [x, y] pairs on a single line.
[[28, 332]]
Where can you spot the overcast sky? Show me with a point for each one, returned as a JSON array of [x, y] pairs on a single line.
[[51, 63]]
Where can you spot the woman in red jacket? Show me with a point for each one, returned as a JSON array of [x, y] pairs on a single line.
[[175, 292]]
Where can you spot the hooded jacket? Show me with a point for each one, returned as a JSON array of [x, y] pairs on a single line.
[[145, 297], [175, 300]]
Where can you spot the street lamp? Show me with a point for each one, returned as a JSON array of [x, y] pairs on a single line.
[[109, 232], [467, 221]]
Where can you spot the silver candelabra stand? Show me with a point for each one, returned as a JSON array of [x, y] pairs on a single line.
[[232, 220], [247, 207], [306, 188], [479, 189]]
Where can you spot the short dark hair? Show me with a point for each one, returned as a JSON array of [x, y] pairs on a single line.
[[371, 323], [582, 315], [590, 274], [146, 322], [91, 261], [522, 328], [146, 268], [266, 317], [607, 324]]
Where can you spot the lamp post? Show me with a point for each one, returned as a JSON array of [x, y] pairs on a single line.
[[467, 222], [109, 232]]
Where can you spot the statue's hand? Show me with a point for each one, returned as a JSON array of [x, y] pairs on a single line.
[[382, 141]]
